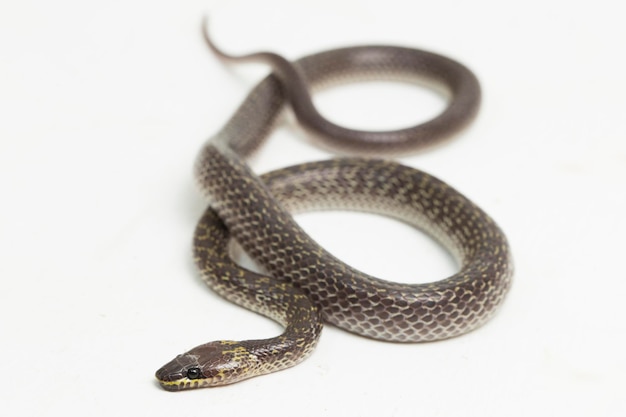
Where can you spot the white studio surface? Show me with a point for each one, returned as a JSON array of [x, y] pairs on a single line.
[[102, 111]]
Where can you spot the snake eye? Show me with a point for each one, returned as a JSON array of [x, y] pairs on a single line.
[[194, 373]]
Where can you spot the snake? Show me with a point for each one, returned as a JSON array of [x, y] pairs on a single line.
[[301, 285]]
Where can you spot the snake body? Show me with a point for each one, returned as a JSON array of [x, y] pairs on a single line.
[[305, 285]]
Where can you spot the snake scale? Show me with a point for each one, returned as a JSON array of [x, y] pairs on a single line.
[[304, 285]]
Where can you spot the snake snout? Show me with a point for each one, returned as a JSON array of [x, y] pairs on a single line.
[[168, 373], [176, 374]]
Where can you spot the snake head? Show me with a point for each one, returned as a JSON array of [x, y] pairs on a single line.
[[208, 365]]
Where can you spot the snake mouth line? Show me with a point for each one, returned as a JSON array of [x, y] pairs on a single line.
[[183, 384], [177, 381]]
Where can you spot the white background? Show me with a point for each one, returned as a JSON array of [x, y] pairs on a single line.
[[103, 108]]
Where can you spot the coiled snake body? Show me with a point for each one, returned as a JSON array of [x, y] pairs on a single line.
[[305, 285]]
